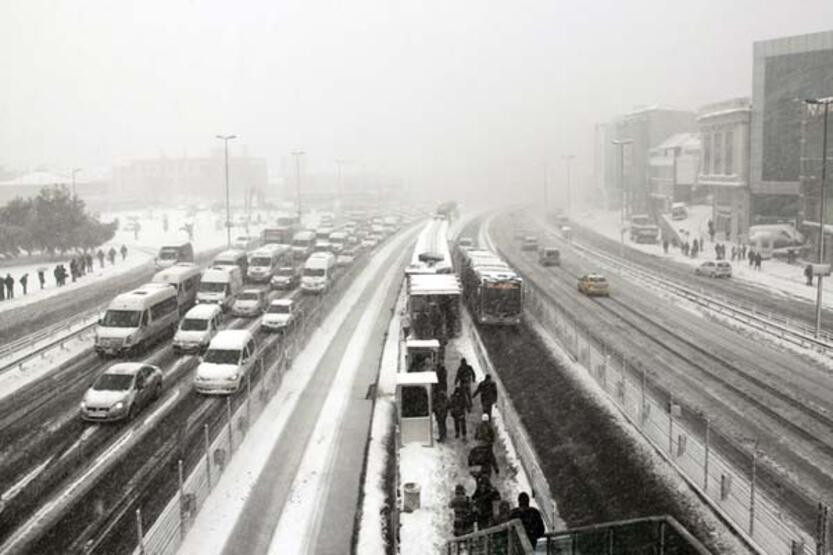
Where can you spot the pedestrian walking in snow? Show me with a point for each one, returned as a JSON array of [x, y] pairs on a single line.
[[24, 281], [2, 289], [457, 408], [42, 277], [100, 256], [665, 246], [442, 378], [485, 499], [808, 273], [89, 260], [463, 511], [734, 253], [530, 517], [758, 260], [487, 389], [123, 252], [751, 257], [482, 460], [485, 432], [440, 408], [9, 286], [464, 378], [111, 256]]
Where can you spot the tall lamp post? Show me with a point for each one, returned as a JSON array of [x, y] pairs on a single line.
[[567, 159], [621, 144], [826, 103], [297, 154], [226, 139], [74, 171]]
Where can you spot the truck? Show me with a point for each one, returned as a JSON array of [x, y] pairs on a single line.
[[642, 230], [281, 235]]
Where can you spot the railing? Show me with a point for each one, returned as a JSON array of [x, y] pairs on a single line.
[[656, 535], [508, 538]]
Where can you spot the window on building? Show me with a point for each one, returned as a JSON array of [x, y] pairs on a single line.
[[707, 154], [730, 155], [718, 150]]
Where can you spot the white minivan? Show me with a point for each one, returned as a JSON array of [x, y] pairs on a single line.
[[318, 270], [265, 261], [185, 277], [197, 328], [230, 357], [220, 285], [136, 319]]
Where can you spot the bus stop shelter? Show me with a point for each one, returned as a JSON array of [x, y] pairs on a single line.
[[413, 399], [434, 305]]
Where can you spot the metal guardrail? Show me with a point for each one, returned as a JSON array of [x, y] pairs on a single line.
[[768, 322], [508, 538]]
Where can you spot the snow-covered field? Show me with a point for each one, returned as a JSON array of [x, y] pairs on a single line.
[[776, 276]]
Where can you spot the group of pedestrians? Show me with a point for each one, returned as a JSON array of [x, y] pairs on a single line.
[[692, 248], [486, 509], [78, 267]]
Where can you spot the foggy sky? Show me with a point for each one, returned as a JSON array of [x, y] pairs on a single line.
[[461, 94]]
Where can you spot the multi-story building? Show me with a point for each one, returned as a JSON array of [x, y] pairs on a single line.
[[724, 164], [672, 168], [188, 178], [646, 128], [786, 71]]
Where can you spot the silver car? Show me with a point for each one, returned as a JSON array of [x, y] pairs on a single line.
[[121, 392]]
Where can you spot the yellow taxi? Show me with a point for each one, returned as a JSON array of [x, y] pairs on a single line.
[[594, 284]]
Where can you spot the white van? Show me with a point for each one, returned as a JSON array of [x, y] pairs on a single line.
[[171, 254], [265, 261], [197, 328], [232, 257], [318, 271], [338, 240], [303, 244], [136, 319], [185, 277], [230, 357], [220, 285]]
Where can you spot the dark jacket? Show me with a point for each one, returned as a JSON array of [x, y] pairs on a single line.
[[485, 432], [440, 405], [482, 457], [532, 521], [463, 514], [483, 497], [487, 389], [457, 404], [465, 374]]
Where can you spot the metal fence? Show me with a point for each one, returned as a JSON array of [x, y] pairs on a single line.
[[508, 538], [168, 530], [771, 513]]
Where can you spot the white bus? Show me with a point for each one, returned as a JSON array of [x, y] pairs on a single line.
[[185, 277], [265, 261], [303, 243], [136, 319]]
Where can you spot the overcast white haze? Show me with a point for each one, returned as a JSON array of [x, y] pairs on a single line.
[[450, 95]]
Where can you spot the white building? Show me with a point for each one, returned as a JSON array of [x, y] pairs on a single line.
[[672, 170]]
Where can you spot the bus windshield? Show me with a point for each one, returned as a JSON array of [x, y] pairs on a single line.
[[121, 318]]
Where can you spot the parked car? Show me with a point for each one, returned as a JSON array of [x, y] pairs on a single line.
[[715, 269], [249, 303], [122, 391], [278, 316], [594, 284]]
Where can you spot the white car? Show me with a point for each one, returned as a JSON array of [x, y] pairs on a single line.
[[279, 315], [249, 303], [715, 269], [230, 357], [197, 328], [121, 391]]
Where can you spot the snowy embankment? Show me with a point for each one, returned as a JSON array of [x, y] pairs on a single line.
[[775, 276]]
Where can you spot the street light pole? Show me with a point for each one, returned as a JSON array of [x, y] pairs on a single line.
[[826, 102], [297, 154], [567, 158], [74, 171], [621, 144], [226, 139]]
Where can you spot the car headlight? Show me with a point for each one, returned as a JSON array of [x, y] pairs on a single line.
[[119, 405], [234, 376], [83, 405]]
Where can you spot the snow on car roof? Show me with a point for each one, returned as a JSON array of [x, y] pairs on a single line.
[[124, 368], [203, 311], [281, 302], [230, 339]]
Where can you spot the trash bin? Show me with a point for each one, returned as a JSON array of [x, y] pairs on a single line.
[[411, 494]]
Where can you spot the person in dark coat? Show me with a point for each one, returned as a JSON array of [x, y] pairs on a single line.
[[751, 257], [442, 378], [24, 281], [41, 277], [485, 497], [464, 379], [482, 460], [9, 286], [2, 291], [123, 252], [808, 273], [111, 256], [100, 256], [73, 269], [503, 511], [758, 260], [485, 432], [530, 517], [457, 408], [487, 389], [665, 246], [463, 511], [88, 258], [440, 408]]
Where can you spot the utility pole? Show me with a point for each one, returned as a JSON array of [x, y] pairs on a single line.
[[621, 143], [567, 159], [298, 154], [826, 103], [74, 171], [226, 139]]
